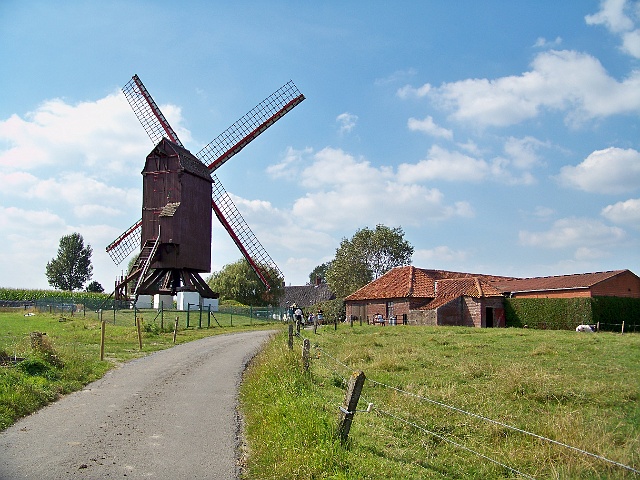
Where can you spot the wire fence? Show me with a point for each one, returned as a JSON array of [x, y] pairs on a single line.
[[391, 412]]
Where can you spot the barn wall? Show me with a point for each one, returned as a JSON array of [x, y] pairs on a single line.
[[625, 284], [422, 317]]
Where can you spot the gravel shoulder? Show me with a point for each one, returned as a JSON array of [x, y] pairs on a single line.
[[171, 414]]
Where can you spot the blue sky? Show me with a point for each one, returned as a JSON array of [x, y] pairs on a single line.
[[503, 137]]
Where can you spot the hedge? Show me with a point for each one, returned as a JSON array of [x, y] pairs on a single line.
[[90, 299], [567, 313]]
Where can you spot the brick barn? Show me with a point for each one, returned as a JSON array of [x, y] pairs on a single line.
[[417, 296]]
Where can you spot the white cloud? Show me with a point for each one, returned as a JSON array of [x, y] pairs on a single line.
[[573, 233], [103, 135], [611, 15], [564, 81], [289, 167], [542, 42], [619, 17], [444, 165], [612, 170], [429, 127], [346, 122], [410, 92], [627, 212], [346, 192], [440, 255]]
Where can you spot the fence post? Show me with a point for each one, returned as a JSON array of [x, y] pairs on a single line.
[[305, 354], [348, 410], [622, 331], [138, 322], [208, 315], [102, 329], [175, 330], [291, 336], [161, 314], [315, 324], [335, 323], [188, 307], [200, 318]]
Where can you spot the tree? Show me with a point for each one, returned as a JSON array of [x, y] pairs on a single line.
[[72, 268], [95, 287], [320, 272], [237, 281], [365, 257]]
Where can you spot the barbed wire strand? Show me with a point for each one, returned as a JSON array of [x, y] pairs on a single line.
[[495, 422], [445, 439]]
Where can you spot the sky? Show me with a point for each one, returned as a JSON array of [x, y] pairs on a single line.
[[502, 137]]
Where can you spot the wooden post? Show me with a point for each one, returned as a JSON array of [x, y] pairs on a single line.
[[103, 325], [175, 330], [335, 323], [291, 336], [348, 409], [622, 327], [351, 320], [598, 327], [162, 315], [305, 354], [188, 307], [315, 324], [138, 322]]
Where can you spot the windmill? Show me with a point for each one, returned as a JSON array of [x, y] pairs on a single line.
[[179, 192]]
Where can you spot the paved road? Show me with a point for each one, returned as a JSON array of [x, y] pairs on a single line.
[[170, 415]]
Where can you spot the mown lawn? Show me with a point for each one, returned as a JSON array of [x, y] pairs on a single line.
[[444, 401]]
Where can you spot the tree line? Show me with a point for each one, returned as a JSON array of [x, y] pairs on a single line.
[[367, 255]]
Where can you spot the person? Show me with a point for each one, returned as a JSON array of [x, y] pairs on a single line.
[[320, 316], [298, 315]]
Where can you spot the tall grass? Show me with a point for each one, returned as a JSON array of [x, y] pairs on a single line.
[[581, 390]]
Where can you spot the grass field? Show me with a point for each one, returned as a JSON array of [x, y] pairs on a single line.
[[70, 354], [430, 386]]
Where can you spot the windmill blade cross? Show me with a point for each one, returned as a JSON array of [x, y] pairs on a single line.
[[214, 155]]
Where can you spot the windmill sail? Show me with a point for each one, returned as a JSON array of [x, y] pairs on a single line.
[[215, 154]]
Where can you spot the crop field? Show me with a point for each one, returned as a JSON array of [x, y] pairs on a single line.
[[448, 402]]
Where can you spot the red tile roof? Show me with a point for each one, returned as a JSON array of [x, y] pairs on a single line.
[[412, 282], [561, 282]]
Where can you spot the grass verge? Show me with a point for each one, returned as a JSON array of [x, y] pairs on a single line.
[[578, 389], [68, 356]]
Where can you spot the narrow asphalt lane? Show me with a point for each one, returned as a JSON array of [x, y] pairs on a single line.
[[169, 415]]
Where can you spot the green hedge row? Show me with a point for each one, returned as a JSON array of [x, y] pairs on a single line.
[[55, 296], [567, 313]]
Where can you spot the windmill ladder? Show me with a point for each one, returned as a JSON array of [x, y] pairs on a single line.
[[147, 263]]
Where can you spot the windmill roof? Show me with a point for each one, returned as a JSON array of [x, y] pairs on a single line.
[[188, 161]]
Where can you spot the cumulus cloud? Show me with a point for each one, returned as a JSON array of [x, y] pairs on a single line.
[[563, 81], [626, 212], [103, 134], [428, 126], [346, 122], [542, 42], [620, 18], [444, 165], [440, 255], [573, 233], [345, 191], [612, 170]]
